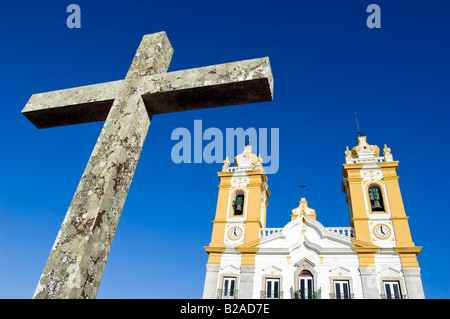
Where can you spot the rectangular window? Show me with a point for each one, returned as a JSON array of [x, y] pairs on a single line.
[[392, 290], [229, 287], [272, 288], [341, 289]]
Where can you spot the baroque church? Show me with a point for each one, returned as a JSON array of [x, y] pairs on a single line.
[[373, 258]]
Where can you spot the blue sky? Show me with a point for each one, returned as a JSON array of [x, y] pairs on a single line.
[[326, 64]]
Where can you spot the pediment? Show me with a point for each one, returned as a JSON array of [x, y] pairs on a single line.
[[272, 269], [229, 268], [391, 272], [305, 264], [339, 271]]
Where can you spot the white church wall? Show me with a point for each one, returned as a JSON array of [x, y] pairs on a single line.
[[327, 268]]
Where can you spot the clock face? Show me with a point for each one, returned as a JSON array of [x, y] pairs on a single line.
[[382, 231], [235, 233]]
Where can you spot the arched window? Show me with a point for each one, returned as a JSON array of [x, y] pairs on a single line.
[[238, 203], [376, 198], [305, 285]]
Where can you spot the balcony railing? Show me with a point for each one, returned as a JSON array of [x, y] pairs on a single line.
[[379, 159], [264, 232], [240, 168], [342, 296], [393, 296], [227, 294], [346, 231], [306, 294], [271, 294]]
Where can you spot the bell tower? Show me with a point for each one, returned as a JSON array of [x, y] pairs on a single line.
[[240, 214], [376, 210]]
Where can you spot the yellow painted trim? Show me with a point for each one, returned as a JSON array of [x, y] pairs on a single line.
[[366, 252], [354, 188], [250, 244], [219, 221], [253, 217], [215, 254], [248, 254], [408, 256], [361, 229], [366, 256], [218, 231], [363, 244], [248, 251], [398, 214], [225, 174]]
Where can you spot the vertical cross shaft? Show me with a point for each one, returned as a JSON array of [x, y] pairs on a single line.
[[78, 257]]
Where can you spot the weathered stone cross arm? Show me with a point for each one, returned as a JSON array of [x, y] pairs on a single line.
[[225, 84], [72, 106]]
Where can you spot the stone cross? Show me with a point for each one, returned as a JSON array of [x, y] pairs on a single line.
[[78, 257]]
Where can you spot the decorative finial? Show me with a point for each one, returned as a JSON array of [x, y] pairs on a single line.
[[387, 154], [348, 153], [348, 156], [226, 164], [259, 162]]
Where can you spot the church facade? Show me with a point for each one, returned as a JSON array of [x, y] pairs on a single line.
[[373, 258]]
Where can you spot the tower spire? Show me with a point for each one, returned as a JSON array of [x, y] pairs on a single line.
[[302, 187], [357, 125]]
